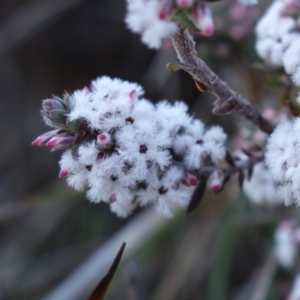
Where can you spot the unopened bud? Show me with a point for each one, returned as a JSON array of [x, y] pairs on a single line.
[[104, 140], [63, 173], [215, 181], [61, 141], [166, 9], [203, 19], [184, 3], [86, 90], [189, 179], [52, 104], [44, 138], [112, 198]]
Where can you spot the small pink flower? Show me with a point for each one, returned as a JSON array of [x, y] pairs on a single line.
[[203, 19], [104, 140], [112, 198], [189, 179], [86, 90], [44, 138], [215, 181], [184, 3], [63, 173], [61, 141], [166, 9]]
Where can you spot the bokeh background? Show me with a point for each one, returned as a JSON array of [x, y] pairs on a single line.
[[47, 230]]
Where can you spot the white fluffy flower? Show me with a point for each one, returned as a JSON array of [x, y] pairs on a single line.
[[276, 32], [129, 153], [143, 17], [285, 247], [260, 189], [291, 61], [283, 160]]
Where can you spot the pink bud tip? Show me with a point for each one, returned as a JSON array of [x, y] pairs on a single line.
[[112, 198], [189, 179], [133, 95], [36, 142], [86, 90], [63, 174], [208, 31], [215, 187], [102, 137]]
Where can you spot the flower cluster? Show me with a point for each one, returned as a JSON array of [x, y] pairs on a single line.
[[157, 20], [283, 160], [277, 32], [125, 150], [286, 243]]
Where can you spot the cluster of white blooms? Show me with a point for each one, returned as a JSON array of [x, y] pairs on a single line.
[[283, 160], [156, 20], [260, 189], [286, 243], [277, 32], [131, 153]]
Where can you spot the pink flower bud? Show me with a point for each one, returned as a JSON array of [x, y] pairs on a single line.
[[44, 138], [215, 181], [184, 3], [203, 19], [189, 179], [104, 140], [86, 90], [63, 173], [61, 141], [165, 9], [100, 155], [112, 198]]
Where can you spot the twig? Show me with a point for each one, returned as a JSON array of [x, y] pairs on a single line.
[[207, 80]]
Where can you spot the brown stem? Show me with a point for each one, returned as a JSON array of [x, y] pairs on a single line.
[[184, 46], [242, 165]]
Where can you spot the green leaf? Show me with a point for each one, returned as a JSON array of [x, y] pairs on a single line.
[[274, 81], [78, 124], [197, 196], [184, 18], [177, 65], [59, 116]]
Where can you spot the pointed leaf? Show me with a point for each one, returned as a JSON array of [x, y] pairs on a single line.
[[184, 18], [241, 178], [177, 65], [294, 108], [200, 86], [197, 196], [274, 81], [78, 124], [229, 159], [250, 172], [100, 290], [58, 116], [226, 179]]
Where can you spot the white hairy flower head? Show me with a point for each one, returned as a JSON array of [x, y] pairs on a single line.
[[283, 160], [276, 31], [126, 151]]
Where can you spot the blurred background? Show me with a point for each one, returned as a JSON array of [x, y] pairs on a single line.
[[47, 230]]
